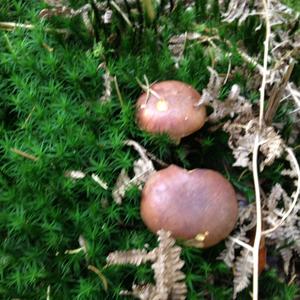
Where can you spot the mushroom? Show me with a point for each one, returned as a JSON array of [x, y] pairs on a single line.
[[197, 205], [170, 107]]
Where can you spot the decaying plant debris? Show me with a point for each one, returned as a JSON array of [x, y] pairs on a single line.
[[249, 124], [242, 130], [166, 264], [243, 127], [143, 168]]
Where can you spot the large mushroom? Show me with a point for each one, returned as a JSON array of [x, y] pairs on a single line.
[[170, 107], [194, 205]]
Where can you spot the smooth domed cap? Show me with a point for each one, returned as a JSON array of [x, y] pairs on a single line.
[[190, 203], [170, 108]]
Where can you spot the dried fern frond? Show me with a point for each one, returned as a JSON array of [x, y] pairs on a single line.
[[142, 292], [278, 202], [75, 174], [286, 255], [246, 222], [133, 257], [63, 8], [240, 10], [167, 274], [242, 138], [57, 3], [287, 236], [142, 167], [243, 128], [242, 271], [121, 186], [107, 83], [234, 104], [228, 255], [292, 173], [177, 43], [166, 264]]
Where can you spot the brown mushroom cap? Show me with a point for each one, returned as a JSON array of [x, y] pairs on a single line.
[[193, 203], [169, 107]]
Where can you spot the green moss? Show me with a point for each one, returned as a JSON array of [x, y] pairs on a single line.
[[50, 108]]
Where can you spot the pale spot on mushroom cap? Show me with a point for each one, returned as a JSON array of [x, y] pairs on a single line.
[[162, 105], [200, 237], [147, 112]]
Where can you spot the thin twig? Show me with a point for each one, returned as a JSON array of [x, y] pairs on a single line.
[[147, 89], [118, 92], [149, 9], [128, 10], [228, 71], [28, 117], [24, 154], [97, 21], [48, 292], [256, 246], [141, 150], [276, 94], [100, 275], [258, 217], [119, 10], [47, 47], [102, 183], [144, 152], [12, 26], [74, 251], [156, 159], [241, 243]]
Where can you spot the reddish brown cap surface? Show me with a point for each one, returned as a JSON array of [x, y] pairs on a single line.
[[190, 203], [170, 108]]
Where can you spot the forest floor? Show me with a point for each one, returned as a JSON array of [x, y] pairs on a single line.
[[70, 75]]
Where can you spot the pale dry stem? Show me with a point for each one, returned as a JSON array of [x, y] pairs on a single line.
[[24, 154], [119, 10], [241, 243], [9, 26], [118, 92], [255, 156]]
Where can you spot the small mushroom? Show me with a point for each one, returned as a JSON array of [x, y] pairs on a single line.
[[170, 107], [198, 205]]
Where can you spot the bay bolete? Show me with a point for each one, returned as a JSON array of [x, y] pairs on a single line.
[[170, 107], [190, 204]]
